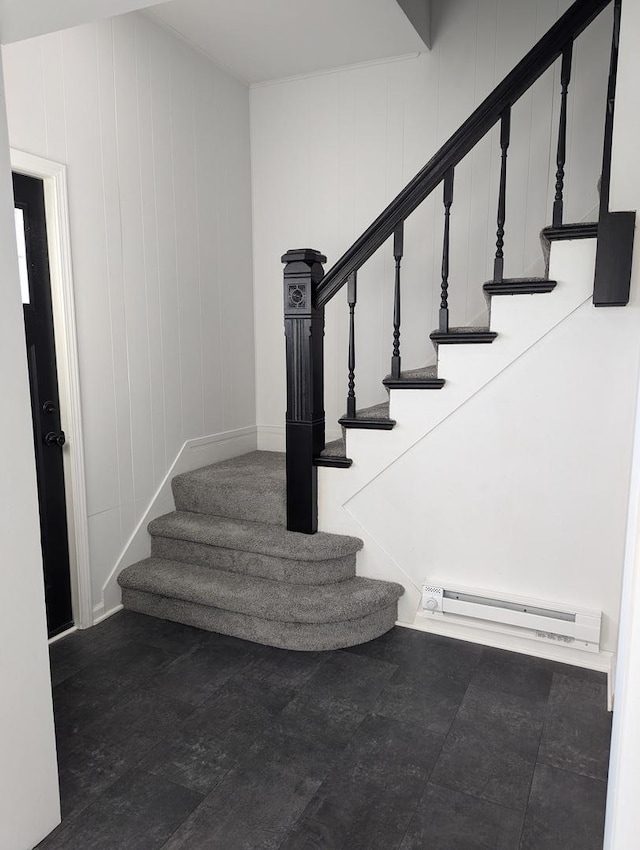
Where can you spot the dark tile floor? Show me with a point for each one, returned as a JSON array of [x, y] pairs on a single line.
[[174, 738]]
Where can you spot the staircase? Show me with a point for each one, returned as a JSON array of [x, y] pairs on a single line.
[[223, 561], [241, 554]]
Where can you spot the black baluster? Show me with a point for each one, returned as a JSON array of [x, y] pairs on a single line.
[[565, 78], [444, 299], [352, 297], [505, 132], [398, 241]]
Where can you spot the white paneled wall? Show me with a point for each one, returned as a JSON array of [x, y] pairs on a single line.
[[329, 152], [156, 139]]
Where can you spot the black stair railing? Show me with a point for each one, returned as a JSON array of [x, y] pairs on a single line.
[[308, 289]]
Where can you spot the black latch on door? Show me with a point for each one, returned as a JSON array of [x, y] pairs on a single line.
[[52, 438]]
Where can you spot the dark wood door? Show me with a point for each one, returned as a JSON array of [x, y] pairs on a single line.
[[49, 439]]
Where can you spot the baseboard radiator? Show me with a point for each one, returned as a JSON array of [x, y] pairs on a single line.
[[534, 619]]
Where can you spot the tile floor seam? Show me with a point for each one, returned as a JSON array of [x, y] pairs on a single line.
[[301, 815], [472, 796], [419, 800], [428, 779], [574, 773], [547, 712]]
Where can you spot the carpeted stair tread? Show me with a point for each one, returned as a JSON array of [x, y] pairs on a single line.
[[468, 329], [375, 417], [254, 564], [251, 487], [268, 600], [422, 374], [425, 378], [301, 637], [336, 448], [376, 411], [256, 537], [464, 335]]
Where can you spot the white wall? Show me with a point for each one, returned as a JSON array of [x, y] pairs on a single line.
[[156, 139], [523, 490], [623, 813], [29, 804], [329, 152]]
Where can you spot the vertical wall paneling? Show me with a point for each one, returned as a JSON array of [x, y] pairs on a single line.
[[88, 240], [156, 140], [150, 252], [125, 60]]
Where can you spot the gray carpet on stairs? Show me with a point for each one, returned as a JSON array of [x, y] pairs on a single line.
[[376, 411], [224, 561], [304, 637], [252, 548], [251, 487], [421, 374], [253, 537], [252, 564], [301, 603], [336, 448]]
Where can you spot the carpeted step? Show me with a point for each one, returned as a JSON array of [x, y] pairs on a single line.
[[462, 336], [277, 613], [251, 487], [374, 417], [252, 548], [336, 448], [309, 637], [334, 454], [416, 379]]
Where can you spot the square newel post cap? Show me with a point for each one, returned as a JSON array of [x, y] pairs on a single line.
[[303, 273], [304, 255]]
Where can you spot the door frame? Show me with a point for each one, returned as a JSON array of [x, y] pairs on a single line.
[[54, 178]]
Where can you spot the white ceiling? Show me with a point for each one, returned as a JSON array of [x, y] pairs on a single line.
[[260, 40], [20, 19]]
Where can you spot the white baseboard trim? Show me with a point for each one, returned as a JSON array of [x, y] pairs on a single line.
[[63, 635], [99, 614], [193, 454], [272, 438], [602, 661]]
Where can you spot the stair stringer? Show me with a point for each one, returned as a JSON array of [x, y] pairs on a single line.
[[520, 321]]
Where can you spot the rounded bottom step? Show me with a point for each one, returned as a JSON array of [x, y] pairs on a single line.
[[297, 636]]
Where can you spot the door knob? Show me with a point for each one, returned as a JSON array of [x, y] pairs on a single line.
[[55, 439]]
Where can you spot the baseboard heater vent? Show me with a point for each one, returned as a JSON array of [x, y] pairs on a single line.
[[529, 618]]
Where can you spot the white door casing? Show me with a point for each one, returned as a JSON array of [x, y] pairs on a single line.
[[54, 177]]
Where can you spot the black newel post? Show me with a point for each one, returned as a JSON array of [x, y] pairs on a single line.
[[304, 334]]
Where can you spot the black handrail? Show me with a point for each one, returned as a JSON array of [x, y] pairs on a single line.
[[576, 19]]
